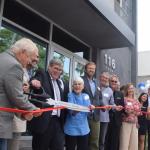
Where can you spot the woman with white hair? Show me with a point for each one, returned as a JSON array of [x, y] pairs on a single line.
[[76, 127]]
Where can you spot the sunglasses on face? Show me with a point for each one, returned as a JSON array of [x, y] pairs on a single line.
[[113, 81]]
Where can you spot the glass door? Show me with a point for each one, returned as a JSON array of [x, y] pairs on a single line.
[[73, 63], [60, 53], [78, 66]]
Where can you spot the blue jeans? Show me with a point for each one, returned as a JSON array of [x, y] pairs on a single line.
[[3, 144]]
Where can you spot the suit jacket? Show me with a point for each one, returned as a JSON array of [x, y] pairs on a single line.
[[11, 93], [95, 99], [116, 116], [40, 124]]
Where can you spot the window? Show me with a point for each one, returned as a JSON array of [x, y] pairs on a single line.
[[65, 40], [26, 18], [8, 36], [66, 65]]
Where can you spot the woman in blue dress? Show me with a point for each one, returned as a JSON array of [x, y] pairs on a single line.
[[76, 126]]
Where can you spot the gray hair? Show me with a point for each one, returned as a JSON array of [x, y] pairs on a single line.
[[89, 63], [24, 44], [105, 74], [55, 62], [78, 79], [114, 76]]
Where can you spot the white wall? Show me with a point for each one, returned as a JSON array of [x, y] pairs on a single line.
[[144, 63], [111, 2]]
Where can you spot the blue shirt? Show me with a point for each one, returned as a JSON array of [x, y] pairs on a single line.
[[93, 86], [107, 99], [77, 125]]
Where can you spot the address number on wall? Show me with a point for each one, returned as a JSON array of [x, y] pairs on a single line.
[[109, 62]]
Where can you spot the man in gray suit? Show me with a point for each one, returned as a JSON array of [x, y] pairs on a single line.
[[12, 63], [92, 89]]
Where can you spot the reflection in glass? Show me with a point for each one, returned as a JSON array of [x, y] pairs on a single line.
[[79, 69], [42, 56], [8, 37], [66, 62]]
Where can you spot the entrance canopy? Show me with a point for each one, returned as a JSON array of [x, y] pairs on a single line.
[[88, 23]]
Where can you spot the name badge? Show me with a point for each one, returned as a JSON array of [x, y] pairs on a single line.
[[129, 103], [86, 97], [98, 88], [106, 95]]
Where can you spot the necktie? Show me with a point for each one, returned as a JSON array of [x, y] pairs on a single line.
[[56, 94]]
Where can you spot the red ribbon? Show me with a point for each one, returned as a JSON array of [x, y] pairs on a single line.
[[108, 107], [103, 107], [14, 110]]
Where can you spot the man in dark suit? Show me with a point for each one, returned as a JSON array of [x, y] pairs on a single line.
[[48, 129], [113, 132], [92, 89]]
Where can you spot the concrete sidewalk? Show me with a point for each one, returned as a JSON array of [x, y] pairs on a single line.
[[26, 143]]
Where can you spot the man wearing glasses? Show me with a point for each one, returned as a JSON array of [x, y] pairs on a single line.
[[113, 133], [48, 129], [107, 99]]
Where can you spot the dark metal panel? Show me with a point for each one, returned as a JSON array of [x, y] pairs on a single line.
[[80, 19], [113, 18], [25, 18], [123, 67]]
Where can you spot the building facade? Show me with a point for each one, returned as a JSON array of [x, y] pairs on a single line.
[[143, 67], [76, 31]]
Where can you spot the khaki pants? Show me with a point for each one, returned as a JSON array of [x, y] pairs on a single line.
[[128, 136], [94, 134], [13, 144]]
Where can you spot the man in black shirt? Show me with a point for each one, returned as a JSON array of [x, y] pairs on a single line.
[[113, 133]]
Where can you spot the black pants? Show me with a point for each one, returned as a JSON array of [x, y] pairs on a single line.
[[81, 142], [112, 137], [51, 139], [148, 126]]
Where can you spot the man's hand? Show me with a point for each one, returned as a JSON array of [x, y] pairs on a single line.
[[27, 116], [26, 87], [35, 83], [37, 114], [119, 108], [91, 107]]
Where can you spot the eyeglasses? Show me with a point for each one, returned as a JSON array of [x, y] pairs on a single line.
[[58, 69], [114, 81], [76, 84]]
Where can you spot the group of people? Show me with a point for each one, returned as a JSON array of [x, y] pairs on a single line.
[[118, 125]]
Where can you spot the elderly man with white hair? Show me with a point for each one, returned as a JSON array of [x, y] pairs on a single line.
[[22, 53]]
